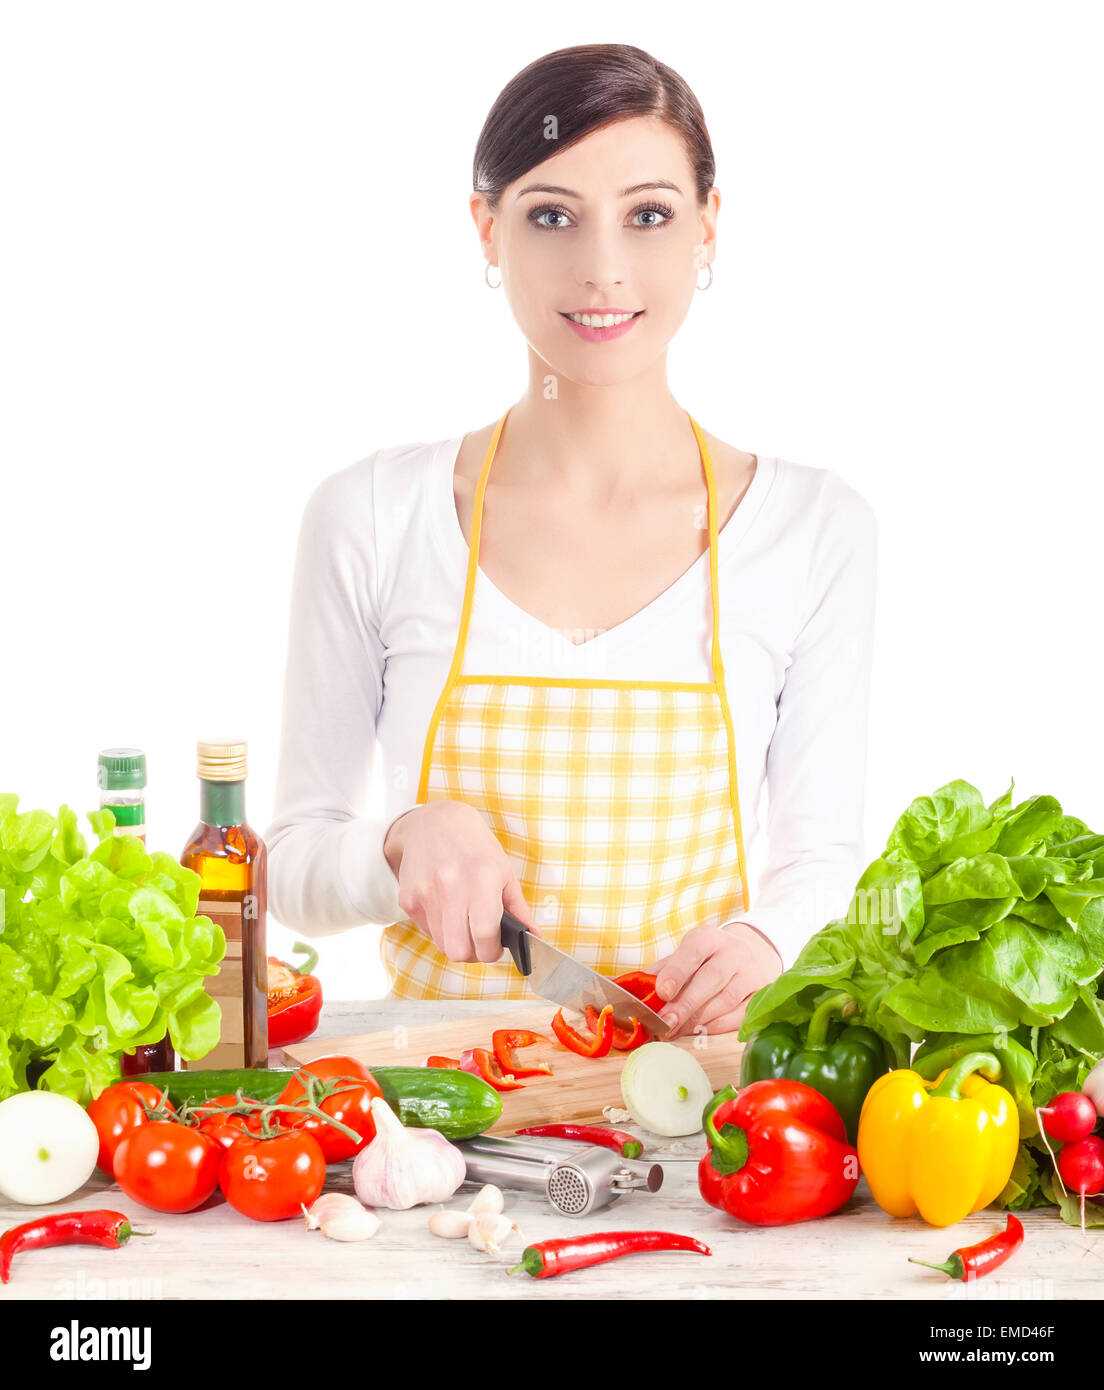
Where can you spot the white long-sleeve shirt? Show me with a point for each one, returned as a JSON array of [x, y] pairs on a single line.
[[376, 600]]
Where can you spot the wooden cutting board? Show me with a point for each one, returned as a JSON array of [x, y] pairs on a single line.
[[577, 1089]]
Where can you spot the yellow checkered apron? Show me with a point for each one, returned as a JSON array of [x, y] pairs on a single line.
[[616, 802]]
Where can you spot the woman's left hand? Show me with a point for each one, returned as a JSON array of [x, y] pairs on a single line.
[[709, 978]]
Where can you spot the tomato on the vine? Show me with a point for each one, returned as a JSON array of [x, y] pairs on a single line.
[[225, 1129], [270, 1179], [117, 1111], [351, 1103], [167, 1166]]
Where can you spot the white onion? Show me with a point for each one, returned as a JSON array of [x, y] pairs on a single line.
[[665, 1089], [48, 1147]]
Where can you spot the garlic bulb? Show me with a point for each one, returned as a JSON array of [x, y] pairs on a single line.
[[400, 1168], [341, 1217]]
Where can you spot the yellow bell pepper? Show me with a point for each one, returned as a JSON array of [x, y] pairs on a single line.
[[943, 1148]]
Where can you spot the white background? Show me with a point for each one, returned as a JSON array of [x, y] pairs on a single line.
[[237, 257]]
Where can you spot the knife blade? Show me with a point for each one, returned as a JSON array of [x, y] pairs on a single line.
[[558, 977]]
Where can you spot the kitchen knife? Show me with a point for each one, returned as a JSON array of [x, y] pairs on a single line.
[[555, 975]]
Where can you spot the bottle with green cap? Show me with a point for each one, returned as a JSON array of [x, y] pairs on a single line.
[[121, 775]]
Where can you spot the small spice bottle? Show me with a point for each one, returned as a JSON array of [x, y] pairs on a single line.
[[121, 775]]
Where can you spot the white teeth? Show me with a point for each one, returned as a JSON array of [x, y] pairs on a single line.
[[600, 320]]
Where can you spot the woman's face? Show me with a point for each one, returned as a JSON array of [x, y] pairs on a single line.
[[584, 231]]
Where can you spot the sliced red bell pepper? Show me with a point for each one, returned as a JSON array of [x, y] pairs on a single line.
[[624, 1039], [482, 1063], [294, 998], [641, 986], [504, 1040], [436, 1061], [596, 1046]]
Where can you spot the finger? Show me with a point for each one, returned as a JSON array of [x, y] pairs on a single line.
[[710, 979], [513, 900], [693, 950], [485, 915], [725, 1012], [453, 932]]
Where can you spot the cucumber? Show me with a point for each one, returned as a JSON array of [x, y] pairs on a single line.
[[454, 1102]]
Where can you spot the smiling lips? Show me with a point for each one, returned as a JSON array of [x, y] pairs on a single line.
[[599, 325]]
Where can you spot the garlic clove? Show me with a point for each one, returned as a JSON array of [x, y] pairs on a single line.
[[329, 1203], [489, 1229], [488, 1198], [450, 1224], [350, 1225]]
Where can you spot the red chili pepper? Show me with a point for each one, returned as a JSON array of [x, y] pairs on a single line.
[[480, 1062], [624, 1039], [442, 1062], [597, 1046], [972, 1261], [777, 1153], [504, 1040], [641, 986], [108, 1228], [578, 1252], [615, 1139], [294, 998]]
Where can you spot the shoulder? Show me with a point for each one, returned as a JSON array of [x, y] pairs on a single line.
[[831, 511], [372, 494]]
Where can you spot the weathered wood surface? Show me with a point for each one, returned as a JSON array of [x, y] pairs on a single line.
[[858, 1253]]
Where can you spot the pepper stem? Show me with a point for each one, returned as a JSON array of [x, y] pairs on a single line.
[[728, 1146], [310, 957], [816, 1037], [952, 1267], [532, 1262], [951, 1085]]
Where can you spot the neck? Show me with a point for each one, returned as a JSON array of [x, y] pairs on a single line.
[[598, 442]]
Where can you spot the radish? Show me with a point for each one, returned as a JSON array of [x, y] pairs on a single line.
[[665, 1089], [1070, 1116], [48, 1147], [1081, 1166]]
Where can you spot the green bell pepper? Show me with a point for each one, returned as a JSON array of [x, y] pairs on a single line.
[[841, 1062], [938, 1052]]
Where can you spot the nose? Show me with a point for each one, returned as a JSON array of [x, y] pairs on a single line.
[[600, 262]]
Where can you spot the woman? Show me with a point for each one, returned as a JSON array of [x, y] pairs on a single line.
[[567, 629]]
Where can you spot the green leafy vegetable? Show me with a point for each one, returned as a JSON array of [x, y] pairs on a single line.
[[100, 952], [975, 920]]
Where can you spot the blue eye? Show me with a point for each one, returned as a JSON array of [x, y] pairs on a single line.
[[665, 209], [651, 210]]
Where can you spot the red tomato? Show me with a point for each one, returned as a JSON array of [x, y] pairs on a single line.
[[225, 1129], [118, 1110], [351, 1104], [269, 1179], [167, 1166]]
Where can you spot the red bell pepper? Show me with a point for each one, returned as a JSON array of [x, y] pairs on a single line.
[[641, 986], [597, 1046], [778, 1153], [482, 1063], [624, 1039], [504, 1040], [437, 1061], [294, 999]]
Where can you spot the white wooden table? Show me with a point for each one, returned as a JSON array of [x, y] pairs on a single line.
[[857, 1253]]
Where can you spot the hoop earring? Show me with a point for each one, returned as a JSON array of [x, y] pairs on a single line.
[[709, 267], [487, 277]]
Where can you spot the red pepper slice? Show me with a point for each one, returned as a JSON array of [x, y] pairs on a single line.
[[641, 986], [624, 1039], [294, 998], [504, 1040], [597, 1046], [482, 1063], [436, 1061]]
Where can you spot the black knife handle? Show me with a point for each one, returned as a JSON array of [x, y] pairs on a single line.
[[515, 937]]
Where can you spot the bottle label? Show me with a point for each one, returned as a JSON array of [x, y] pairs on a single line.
[[227, 987]]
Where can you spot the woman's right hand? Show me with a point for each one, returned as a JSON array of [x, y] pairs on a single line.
[[454, 878]]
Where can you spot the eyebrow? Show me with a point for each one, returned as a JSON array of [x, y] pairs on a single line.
[[569, 193]]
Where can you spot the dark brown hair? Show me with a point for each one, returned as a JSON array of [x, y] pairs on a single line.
[[584, 88]]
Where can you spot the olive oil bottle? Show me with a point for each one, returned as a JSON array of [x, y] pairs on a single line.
[[231, 861]]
